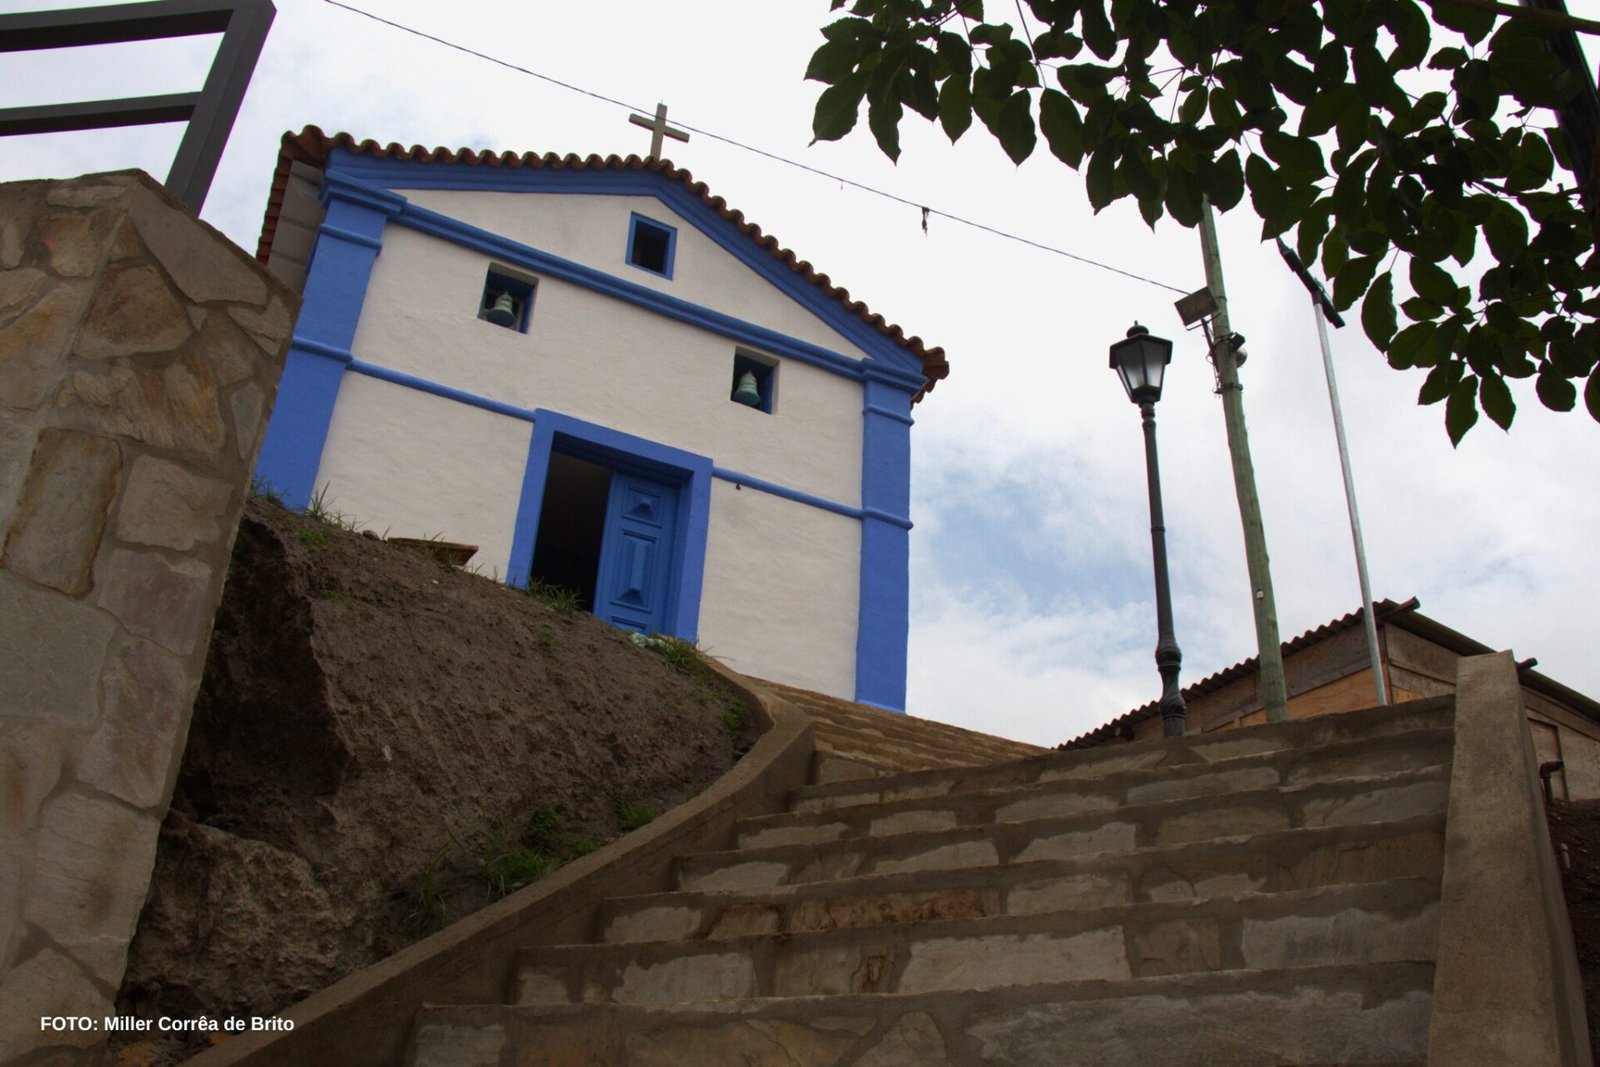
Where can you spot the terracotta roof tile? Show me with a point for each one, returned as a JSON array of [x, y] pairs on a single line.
[[312, 147]]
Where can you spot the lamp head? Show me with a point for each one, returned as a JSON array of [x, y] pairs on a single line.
[[1141, 362]]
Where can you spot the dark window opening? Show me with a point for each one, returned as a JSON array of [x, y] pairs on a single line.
[[650, 245]]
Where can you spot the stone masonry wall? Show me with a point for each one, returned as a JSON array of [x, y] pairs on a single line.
[[139, 356]]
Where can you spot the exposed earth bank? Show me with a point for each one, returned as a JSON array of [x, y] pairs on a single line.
[[383, 744]]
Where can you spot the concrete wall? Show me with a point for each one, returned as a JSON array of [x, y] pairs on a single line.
[[139, 356]]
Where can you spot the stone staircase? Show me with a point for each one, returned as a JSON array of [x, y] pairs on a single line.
[[1267, 896]]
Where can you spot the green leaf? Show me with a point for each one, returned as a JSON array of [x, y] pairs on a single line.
[[1097, 32], [1448, 58], [1419, 310], [1183, 197], [1352, 281], [955, 107], [1323, 113], [836, 110], [1224, 110], [1411, 347], [1507, 232], [1266, 188], [1225, 181], [1099, 180], [1299, 157], [1591, 395], [1062, 127], [1432, 284], [833, 62], [1556, 392], [1012, 125], [1461, 412], [1441, 380], [883, 118], [1472, 23], [1193, 108], [1495, 397], [1377, 311], [1412, 34]]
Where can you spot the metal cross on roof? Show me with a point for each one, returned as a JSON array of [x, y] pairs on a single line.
[[658, 128]]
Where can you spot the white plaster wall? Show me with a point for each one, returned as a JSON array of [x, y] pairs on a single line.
[[606, 361], [415, 465], [592, 229], [789, 616]]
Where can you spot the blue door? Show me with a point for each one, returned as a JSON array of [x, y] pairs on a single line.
[[633, 588]]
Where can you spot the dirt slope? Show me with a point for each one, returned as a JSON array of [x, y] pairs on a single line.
[[381, 744]]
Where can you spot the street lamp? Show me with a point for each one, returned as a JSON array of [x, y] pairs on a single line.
[[1141, 362]]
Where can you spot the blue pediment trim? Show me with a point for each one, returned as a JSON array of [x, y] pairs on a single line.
[[384, 174]]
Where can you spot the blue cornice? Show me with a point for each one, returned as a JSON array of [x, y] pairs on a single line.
[[887, 354], [339, 186]]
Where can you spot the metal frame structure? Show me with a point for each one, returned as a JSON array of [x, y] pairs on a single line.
[[210, 113]]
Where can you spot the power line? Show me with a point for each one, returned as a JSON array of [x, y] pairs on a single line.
[[926, 211]]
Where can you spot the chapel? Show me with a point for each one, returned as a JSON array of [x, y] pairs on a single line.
[[605, 379]]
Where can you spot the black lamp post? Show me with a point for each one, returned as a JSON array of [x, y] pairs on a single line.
[[1141, 361]]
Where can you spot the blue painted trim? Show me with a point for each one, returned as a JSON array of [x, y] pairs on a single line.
[[554, 432], [801, 497], [672, 243], [882, 626], [348, 243], [350, 236], [888, 354], [888, 413], [317, 348], [411, 381], [738, 330], [338, 186]]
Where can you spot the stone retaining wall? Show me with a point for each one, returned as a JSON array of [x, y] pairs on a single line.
[[139, 355]]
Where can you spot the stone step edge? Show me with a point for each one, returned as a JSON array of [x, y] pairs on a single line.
[[925, 757], [1138, 814], [844, 713], [1293, 845], [1395, 898], [1378, 978], [935, 1029], [1424, 706], [1423, 743], [1169, 753]]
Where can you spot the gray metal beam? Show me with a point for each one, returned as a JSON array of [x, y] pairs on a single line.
[[210, 113], [98, 114]]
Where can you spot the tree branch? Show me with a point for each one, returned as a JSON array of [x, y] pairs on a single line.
[[1553, 19]]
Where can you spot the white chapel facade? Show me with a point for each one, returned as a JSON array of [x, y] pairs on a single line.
[[606, 379]]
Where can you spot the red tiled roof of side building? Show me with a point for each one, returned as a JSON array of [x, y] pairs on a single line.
[[312, 147]]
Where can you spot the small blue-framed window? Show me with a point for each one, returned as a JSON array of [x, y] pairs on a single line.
[[651, 245], [755, 382], [507, 300]]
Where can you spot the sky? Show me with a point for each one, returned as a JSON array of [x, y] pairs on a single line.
[[1032, 594]]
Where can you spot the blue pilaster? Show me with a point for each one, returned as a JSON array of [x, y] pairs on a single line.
[[348, 242], [884, 619]]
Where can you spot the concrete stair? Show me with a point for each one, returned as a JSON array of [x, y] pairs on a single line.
[[1256, 896]]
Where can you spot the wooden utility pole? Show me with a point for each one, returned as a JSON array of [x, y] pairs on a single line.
[[1274, 692]]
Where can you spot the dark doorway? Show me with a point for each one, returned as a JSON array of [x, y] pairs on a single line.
[[572, 523]]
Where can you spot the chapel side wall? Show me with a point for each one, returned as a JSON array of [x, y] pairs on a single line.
[[139, 356], [405, 463], [605, 361], [789, 616]]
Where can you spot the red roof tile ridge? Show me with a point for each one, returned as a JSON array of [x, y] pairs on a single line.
[[312, 146]]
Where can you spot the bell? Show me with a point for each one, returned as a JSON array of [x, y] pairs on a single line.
[[504, 311], [748, 392]]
